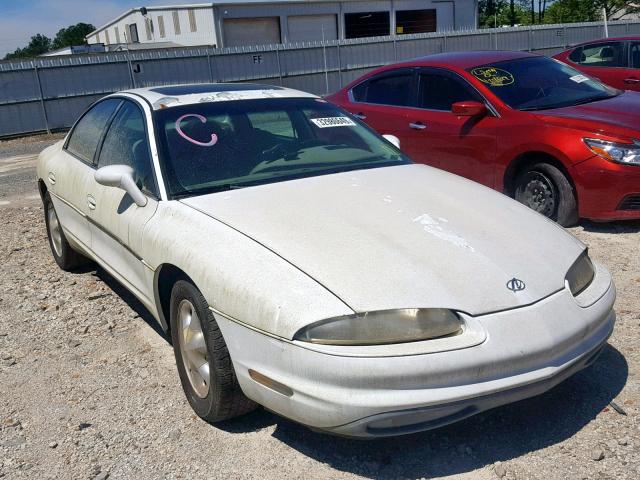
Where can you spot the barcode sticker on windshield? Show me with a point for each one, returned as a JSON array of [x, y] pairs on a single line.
[[333, 122], [579, 78]]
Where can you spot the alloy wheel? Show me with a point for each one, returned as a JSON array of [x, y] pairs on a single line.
[[54, 230], [193, 348]]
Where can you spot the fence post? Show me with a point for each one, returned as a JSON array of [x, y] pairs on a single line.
[[44, 109], [339, 65], [279, 65], [209, 65], [133, 80], [530, 35], [444, 42]]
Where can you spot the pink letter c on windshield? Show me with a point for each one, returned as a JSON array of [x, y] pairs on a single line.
[[203, 119]]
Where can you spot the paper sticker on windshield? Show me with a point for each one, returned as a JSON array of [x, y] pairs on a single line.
[[495, 77], [579, 78], [333, 122]]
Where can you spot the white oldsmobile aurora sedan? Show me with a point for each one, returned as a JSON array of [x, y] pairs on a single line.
[[301, 262]]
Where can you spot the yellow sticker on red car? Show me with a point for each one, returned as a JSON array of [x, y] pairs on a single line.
[[493, 76]]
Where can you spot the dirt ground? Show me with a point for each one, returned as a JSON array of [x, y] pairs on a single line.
[[89, 388]]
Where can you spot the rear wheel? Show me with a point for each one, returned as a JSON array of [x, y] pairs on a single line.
[[202, 357], [545, 189], [64, 255]]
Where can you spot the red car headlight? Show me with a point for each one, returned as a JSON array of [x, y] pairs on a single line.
[[624, 153]]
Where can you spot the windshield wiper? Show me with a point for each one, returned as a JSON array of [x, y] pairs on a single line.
[[582, 101], [215, 189]]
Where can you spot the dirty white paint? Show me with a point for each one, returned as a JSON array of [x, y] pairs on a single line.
[[434, 227]]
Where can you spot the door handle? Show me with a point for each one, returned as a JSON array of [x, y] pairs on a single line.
[[91, 202], [417, 125], [632, 80], [360, 115], [52, 178]]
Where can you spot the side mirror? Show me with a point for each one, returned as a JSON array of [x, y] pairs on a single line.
[[392, 139], [469, 108], [121, 176]]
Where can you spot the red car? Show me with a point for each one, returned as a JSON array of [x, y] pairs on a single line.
[[615, 61], [532, 127]]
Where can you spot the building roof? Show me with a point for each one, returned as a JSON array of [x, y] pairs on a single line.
[[188, 94]]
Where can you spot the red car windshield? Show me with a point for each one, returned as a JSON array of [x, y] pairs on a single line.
[[539, 83]]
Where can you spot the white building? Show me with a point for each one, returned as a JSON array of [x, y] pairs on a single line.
[[254, 22]]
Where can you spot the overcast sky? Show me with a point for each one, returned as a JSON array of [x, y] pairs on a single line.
[[20, 19]]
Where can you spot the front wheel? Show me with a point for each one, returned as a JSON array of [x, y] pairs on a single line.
[[545, 189], [204, 365]]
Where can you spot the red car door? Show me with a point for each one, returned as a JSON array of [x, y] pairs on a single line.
[[633, 80], [462, 145], [607, 61]]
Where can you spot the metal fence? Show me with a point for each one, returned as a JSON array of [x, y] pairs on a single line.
[[49, 93]]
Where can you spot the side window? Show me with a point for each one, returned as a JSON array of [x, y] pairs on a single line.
[[391, 89], [635, 55], [359, 92], [86, 135], [439, 92], [273, 122], [609, 54], [126, 143], [576, 55]]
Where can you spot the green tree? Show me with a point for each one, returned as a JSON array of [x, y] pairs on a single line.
[[501, 13], [38, 45], [569, 11], [72, 35]]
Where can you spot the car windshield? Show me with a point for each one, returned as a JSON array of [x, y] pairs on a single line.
[[538, 83], [218, 146]]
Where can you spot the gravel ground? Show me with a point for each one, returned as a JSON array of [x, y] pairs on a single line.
[[89, 389]]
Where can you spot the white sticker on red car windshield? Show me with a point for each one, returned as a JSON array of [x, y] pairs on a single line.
[[333, 122], [579, 78]]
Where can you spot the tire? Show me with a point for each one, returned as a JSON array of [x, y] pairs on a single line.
[[63, 253], [545, 189], [213, 392]]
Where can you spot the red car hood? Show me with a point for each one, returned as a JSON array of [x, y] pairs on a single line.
[[617, 116]]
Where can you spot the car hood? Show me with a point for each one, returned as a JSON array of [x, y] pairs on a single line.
[[403, 237], [618, 115]]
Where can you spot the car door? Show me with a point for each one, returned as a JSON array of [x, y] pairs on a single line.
[[382, 100], [632, 81], [462, 145], [606, 61], [117, 223], [70, 172]]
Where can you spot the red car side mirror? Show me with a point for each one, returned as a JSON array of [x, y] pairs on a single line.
[[469, 108]]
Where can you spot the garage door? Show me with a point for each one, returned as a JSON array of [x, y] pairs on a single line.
[[306, 28], [251, 31]]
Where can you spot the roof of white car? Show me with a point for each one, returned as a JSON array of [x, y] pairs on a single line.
[[174, 95]]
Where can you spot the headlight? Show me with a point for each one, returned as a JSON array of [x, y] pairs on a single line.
[[580, 274], [383, 327], [625, 153]]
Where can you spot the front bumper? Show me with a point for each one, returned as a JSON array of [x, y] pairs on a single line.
[[604, 186], [526, 351]]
